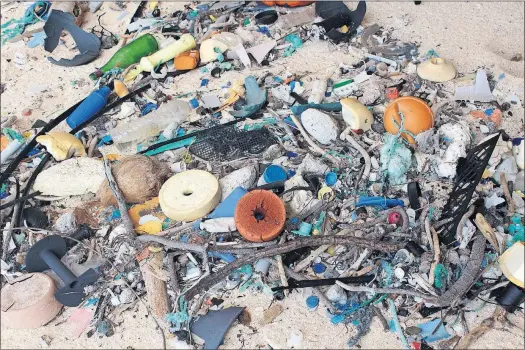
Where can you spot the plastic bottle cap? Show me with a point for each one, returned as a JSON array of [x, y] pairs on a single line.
[[319, 268], [330, 178], [274, 173], [312, 302]]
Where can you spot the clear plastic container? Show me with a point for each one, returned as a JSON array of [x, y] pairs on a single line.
[[139, 130]]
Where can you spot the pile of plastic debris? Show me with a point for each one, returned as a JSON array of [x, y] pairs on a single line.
[[384, 187]]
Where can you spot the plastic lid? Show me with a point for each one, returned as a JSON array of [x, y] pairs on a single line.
[[319, 268], [312, 301], [330, 178], [274, 173]]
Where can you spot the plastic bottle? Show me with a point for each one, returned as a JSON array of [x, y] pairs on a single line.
[[89, 107], [175, 111], [129, 54]]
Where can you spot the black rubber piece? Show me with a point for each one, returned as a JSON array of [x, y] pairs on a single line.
[[46, 254], [35, 218], [293, 284], [54, 244], [414, 248], [266, 17], [511, 297], [414, 192]]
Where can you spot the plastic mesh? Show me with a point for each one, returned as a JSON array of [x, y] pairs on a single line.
[[468, 176], [224, 143]]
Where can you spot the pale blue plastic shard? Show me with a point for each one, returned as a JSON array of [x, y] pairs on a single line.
[[255, 98], [396, 159]]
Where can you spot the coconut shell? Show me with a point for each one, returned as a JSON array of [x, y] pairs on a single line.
[[138, 177]]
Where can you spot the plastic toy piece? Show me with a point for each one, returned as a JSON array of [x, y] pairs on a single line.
[[213, 326], [437, 70], [408, 116], [46, 254], [88, 44]]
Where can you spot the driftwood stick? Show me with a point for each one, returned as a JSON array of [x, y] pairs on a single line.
[[209, 281], [464, 218], [487, 324], [437, 255], [280, 267], [468, 277], [508, 196], [126, 220], [155, 286], [171, 244]]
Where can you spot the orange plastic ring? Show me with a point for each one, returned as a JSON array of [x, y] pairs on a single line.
[[260, 216]]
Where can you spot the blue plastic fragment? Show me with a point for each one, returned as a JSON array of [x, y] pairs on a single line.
[[330, 178], [319, 268], [312, 302], [381, 202], [429, 332]]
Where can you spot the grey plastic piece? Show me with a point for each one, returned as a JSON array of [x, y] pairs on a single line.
[[213, 326], [88, 44]]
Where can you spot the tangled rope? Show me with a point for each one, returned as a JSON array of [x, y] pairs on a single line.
[[34, 13]]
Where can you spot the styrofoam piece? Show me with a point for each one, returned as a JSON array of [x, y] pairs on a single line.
[[219, 225], [480, 91], [320, 125]]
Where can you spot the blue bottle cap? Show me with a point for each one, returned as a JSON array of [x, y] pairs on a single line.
[[330, 178], [274, 173], [312, 302], [194, 103], [319, 268]]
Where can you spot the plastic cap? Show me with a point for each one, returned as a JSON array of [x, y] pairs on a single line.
[[330, 178], [312, 302], [319, 268], [274, 173]]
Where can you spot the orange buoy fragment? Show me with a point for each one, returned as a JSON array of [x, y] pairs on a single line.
[[409, 113], [260, 216]]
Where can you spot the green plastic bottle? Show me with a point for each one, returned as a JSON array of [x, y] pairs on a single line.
[[129, 54]]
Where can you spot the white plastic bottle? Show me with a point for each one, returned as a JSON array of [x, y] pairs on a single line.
[[319, 89]]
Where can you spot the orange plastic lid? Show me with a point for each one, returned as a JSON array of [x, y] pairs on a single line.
[[418, 117], [260, 216]]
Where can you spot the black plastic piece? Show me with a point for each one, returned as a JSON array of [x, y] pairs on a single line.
[[88, 44], [224, 143], [467, 178], [336, 15], [47, 253], [266, 17], [292, 284], [35, 218], [511, 297], [414, 248], [414, 192], [81, 233]]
